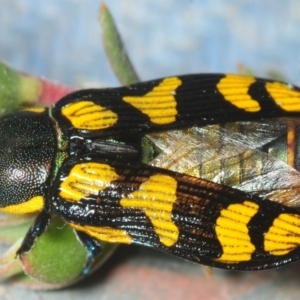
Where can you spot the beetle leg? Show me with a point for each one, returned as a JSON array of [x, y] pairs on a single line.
[[93, 247], [39, 226]]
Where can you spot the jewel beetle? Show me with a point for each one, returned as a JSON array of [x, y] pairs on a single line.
[[107, 161]]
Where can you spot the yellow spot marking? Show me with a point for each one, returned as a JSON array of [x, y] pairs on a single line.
[[234, 89], [284, 235], [155, 198], [35, 109], [33, 205], [284, 96], [233, 234], [86, 179], [159, 104], [106, 234], [89, 116]]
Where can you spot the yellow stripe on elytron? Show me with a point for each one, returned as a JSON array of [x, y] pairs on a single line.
[[284, 235], [33, 205], [233, 234], [89, 116], [86, 179], [159, 104], [105, 234], [35, 109], [156, 197], [234, 89], [284, 96]]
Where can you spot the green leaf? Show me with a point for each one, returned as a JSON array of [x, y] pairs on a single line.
[[9, 89], [9, 265], [115, 49], [14, 227], [58, 257]]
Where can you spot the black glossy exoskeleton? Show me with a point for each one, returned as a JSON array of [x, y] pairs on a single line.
[[108, 162]]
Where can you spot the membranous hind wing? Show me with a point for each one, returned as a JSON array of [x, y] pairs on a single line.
[[258, 157], [194, 219], [174, 103]]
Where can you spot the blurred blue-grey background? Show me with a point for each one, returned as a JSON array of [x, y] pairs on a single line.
[[61, 39]]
